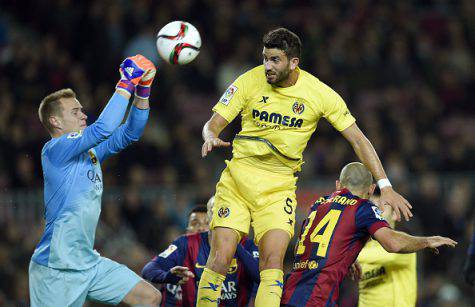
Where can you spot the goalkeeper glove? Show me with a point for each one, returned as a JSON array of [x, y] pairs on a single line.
[[131, 71], [143, 88]]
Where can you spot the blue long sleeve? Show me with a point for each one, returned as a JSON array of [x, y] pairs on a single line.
[[251, 264], [111, 116], [66, 147], [158, 270], [123, 136], [154, 273]]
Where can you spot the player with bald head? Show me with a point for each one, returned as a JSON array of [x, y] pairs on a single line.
[[334, 233]]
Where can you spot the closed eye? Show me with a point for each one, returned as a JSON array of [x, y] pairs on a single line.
[[75, 111]]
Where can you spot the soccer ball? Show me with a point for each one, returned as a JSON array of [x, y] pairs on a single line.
[[178, 42]]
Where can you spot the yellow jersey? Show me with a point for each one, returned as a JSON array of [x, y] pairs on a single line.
[[280, 120], [388, 279]]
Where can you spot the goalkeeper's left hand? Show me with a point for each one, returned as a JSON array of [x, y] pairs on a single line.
[[469, 270], [132, 71], [142, 90]]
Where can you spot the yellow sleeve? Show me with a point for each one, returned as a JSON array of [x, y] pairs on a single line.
[[233, 100], [336, 111]]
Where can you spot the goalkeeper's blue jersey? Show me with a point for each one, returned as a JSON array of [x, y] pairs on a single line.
[[73, 185]]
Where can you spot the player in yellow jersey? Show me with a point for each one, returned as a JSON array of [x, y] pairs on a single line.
[[280, 105], [387, 279]]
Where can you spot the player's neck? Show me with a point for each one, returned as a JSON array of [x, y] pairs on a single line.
[[291, 79], [56, 134], [359, 194]]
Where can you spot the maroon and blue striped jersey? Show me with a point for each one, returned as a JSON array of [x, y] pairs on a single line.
[[331, 238], [192, 251]]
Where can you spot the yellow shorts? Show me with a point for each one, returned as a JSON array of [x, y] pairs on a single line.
[[247, 195]]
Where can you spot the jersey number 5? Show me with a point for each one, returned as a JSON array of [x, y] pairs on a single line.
[[328, 222]]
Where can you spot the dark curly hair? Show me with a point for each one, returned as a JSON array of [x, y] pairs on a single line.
[[285, 40]]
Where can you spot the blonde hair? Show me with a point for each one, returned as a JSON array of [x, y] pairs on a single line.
[[51, 105]]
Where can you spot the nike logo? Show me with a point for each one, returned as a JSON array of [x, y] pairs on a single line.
[[199, 266]]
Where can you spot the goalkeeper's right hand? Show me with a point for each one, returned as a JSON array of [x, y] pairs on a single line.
[[131, 71]]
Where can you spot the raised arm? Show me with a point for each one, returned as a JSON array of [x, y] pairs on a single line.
[[211, 131], [133, 128], [368, 156], [400, 242], [132, 70]]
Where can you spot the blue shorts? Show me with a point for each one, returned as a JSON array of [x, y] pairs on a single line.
[[106, 282]]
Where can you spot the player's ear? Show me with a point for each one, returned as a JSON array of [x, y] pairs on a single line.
[[338, 184], [294, 62], [55, 122]]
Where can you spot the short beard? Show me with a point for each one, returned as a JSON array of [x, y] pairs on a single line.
[[281, 76]]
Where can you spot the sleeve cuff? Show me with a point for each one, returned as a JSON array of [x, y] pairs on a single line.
[[117, 96], [225, 116], [373, 228], [346, 124], [139, 114]]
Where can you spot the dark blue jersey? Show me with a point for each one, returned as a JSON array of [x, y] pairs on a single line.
[[192, 251]]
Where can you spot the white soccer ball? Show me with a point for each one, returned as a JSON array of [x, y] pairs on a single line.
[[178, 42]]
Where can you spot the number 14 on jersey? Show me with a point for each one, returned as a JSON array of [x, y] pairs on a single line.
[[327, 224]]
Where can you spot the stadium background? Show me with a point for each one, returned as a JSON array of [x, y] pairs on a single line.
[[405, 68]]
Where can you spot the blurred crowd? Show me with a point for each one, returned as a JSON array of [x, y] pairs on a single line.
[[405, 69]]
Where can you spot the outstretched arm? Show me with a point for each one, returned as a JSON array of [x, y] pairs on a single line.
[[78, 142], [127, 133], [133, 129], [400, 242], [177, 275], [167, 266], [211, 131], [366, 153]]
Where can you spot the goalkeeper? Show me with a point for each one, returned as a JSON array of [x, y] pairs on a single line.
[[65, 270]]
